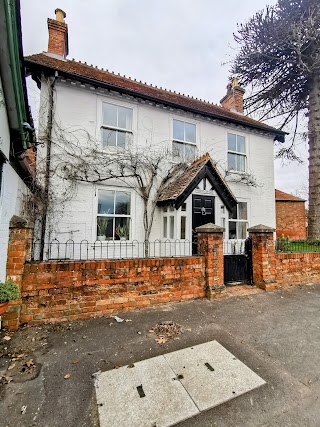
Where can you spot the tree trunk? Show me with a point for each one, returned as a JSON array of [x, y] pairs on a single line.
[[314, 160]]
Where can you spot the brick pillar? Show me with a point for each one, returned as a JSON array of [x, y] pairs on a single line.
[[263, 257], [210, 245], [19, 249]]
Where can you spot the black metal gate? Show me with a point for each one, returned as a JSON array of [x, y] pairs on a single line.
[[238, 264]]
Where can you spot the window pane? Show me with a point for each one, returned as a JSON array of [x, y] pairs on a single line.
[[122, 203], [171, 208], [105, 202], [165, 208], [109, 137], [121, 139], [242, 230], [241, 163], [109, 114], [177, 151], [233, 213], [232, 142], [190, 153], [232, 230], [124, 118], [190, 132], [242, 210], [241, 144], [232, 165], [171, 227], [178, 130], [184, 207], [165, 222], [122, 229], [105, 228], [183, 228]]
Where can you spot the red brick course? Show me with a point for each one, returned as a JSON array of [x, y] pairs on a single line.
[[291, 219], [298, 268], [57, 291]]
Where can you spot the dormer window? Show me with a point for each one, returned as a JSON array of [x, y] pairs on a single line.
[[184, 141], [116, 128]]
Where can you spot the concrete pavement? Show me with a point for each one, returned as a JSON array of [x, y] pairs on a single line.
[[275, 334]]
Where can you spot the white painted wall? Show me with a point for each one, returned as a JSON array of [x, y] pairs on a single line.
[[78, 106], [12, 190]]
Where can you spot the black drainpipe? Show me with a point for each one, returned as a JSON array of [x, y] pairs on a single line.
[[48, 161]]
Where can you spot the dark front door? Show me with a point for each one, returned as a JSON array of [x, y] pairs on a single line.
[[202, 213]]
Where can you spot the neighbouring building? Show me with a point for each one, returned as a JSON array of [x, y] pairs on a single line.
[[290, 216], [17, 159], [223, 160]]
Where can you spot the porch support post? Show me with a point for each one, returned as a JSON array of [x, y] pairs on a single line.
[[19, 250], [263, 257], [210, 245]]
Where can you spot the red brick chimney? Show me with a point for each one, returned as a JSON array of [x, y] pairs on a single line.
[[233, 100], [58, 35]]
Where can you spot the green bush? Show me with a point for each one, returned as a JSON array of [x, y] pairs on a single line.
[[9, 291]]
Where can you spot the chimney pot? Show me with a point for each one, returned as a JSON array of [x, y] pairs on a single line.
[[60, 15]]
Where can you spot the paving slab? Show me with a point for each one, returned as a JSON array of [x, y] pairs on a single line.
[[145, 394], [211, 374], [165, 390]]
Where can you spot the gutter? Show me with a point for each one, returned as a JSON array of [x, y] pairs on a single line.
[[279, 135], [13, 41]]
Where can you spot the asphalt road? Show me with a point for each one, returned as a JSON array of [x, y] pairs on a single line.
[[275, 334]]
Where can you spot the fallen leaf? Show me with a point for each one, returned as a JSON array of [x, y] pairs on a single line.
[[29, 363], [67, 376], [74, 362], [11, 366], [160, 340], [7, 338], [128, 320]]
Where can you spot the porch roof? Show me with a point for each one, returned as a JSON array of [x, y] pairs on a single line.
[[185, 180]]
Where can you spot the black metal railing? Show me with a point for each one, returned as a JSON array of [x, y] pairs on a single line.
[[117, 249], [284, 244]]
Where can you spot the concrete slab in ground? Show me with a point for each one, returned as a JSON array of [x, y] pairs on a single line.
[[167, 389], [145, 394], [211, 374]]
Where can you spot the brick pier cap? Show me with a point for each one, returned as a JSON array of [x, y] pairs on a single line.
[[260, 228], [210, 228]]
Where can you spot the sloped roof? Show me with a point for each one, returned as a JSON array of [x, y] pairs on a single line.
[[100, 77], [281, 196], [185, 180]]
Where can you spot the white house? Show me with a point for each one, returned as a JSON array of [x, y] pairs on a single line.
[[16, 156], [230, 180]]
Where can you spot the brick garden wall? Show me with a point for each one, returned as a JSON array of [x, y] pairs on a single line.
[[58, 291], [297, 268]]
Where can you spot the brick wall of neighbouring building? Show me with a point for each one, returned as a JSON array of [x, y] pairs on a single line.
[[290, 216], [297, 268], [57, 291]]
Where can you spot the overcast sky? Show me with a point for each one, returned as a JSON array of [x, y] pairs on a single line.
[[177, 44]]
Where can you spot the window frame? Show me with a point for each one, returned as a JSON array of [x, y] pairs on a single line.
[[114, 215], [238, 153], [184, 142], [102, 125], [167, 212], [239, 221]]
